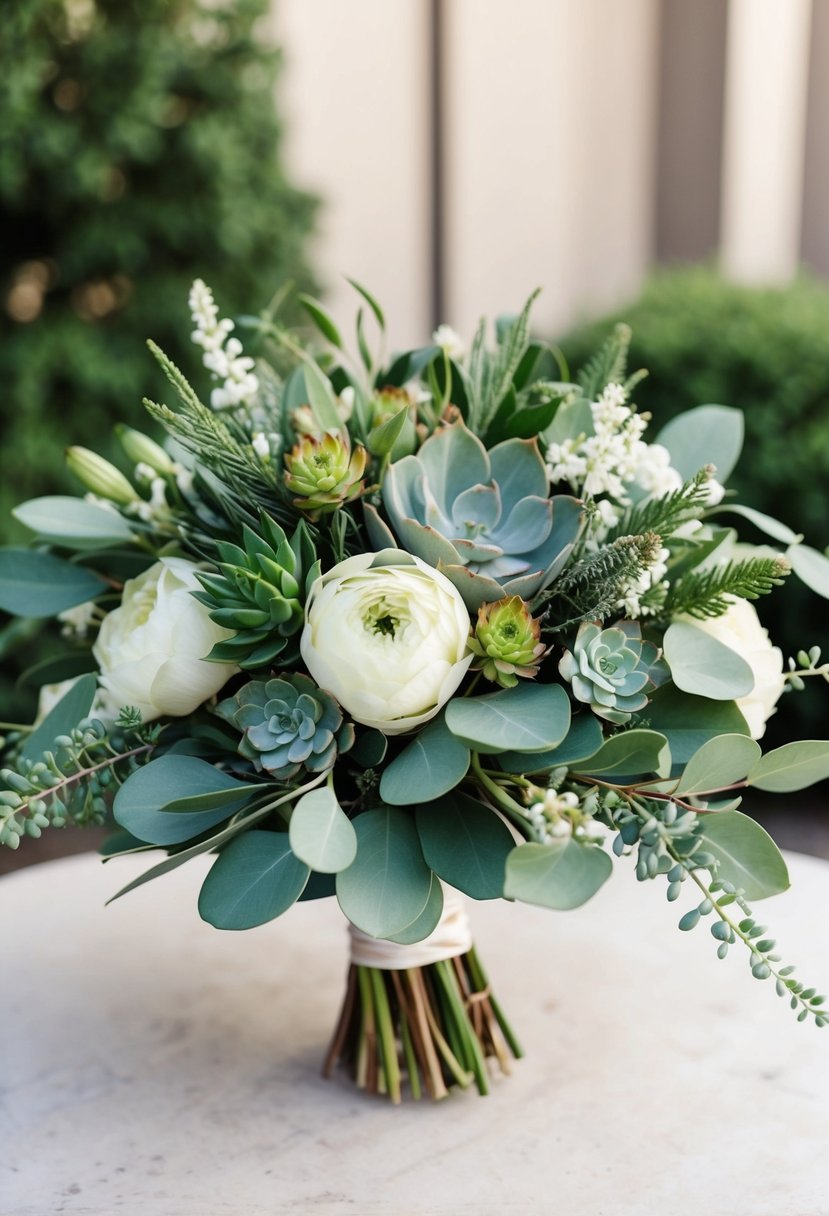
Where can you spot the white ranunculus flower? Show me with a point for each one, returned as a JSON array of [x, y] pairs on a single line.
[[151, 650], [739, 628], [386, 635]]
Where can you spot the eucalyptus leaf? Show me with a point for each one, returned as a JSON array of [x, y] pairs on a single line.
[[794, 766], [583, 739], [40, 585], [70, 711], [746, 854], [629, 754], [139, 802], [526, 718], [431, 765], [319, 886], [707, 434], [428, 920], [560, 875], [687, 721], [466, 843], [253, 880], [811, 567], [764, 523], [573, 419], [388, 885], [321, 834], [703, 666], [321, 398], [370, 748], [73, 523], [718, 763], [213, 800]]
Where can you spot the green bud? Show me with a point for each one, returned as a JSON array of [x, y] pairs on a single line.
[[507, 642], [99, 476], [324, 473], [140, 449]]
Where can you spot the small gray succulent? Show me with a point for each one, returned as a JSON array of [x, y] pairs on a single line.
[[481, 517], [288, 723], [612, 670]]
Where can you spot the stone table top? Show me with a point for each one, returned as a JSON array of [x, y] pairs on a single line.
[[150, 1064]]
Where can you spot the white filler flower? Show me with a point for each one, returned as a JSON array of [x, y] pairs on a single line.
[[151, 650], [386, 634], [740, 629]]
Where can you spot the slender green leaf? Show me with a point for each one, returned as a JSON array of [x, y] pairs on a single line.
[[370, 300], [321, 834], [70, 710], [708, 434], [560, 875], [765, 523], [253, 880], [38, 585], [382, 438], [214, 799], [746, 854], [73, 522], [388, 885], [321, 398], [322, 319], [466, 843]]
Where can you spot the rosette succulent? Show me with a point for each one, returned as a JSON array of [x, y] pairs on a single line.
[[481, 517], [288, 724], [507, 642], [259, 592], [324, 473], [612, 670]]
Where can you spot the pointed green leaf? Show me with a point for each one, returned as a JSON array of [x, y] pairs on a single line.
[[765, 523], [139, 802], [811, 567], [321, 398], [718, 763], [73, 522], [466, 843], [431, 765], [70, 711], [526, 718], [322, 319], [382, 438], [38, 585], [560, 875], [370, 300], [792, 767], [704, 666], [388, 885], [747, 855], [254, 880], [321, 834], [629, 754]]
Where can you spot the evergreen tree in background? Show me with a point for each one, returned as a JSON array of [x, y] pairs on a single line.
[[139, 148]]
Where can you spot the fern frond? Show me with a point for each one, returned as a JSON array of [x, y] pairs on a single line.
[[590, 589], [664, 515], [608, 365], [709, 592]]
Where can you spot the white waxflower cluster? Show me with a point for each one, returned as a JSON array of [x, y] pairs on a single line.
[[222, 354], [630, 602], [559, 815], [613, 457], [450, 342]]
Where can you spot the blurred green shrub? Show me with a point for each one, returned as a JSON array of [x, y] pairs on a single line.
[[139, 148], [767, 352]]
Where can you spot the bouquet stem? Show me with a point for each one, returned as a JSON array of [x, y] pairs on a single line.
[[434, 1026]]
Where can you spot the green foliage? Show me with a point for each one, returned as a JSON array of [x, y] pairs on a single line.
[[526, 718], [708, 592], [434, 762], [388, 885], [465, 844], [254, 879], [590, 588], [703, 666], [320, 833], [766, 352], [142, 803], [560, 875], [36, 584], [609, 363]]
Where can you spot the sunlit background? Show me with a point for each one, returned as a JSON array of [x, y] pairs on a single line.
[[653, 160]]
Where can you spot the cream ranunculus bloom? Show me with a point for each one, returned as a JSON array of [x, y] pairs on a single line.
[[151, 650], [386, 634], [740, 629]]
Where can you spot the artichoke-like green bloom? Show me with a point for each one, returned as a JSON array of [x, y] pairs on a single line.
[[259, 593], [613, 670], [324, 473], [507, 642], [481, 517], [288, 723]]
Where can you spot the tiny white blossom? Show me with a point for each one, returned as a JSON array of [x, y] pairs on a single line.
[[144, 472], [223, 355], [450, 342], [77, 621], [260, 445]]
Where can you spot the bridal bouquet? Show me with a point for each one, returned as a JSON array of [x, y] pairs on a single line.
[[392, 630]]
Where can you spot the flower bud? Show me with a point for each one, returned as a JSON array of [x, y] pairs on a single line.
[[99, 476], [140, 449]]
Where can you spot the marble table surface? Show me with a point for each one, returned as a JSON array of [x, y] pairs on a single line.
[[150, 1064]]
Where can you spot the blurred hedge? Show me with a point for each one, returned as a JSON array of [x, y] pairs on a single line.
[[139, 147], [767, 352]]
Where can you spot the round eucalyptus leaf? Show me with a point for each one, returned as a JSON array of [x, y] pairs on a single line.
[[703, 666], [388, 885], [321, 834], [527, 718], [560, 875], [253, 880]]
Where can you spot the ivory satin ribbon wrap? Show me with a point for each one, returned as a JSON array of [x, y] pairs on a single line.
[[450, 937]]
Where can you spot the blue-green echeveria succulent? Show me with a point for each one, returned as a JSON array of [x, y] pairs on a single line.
[[288, 723], [481, 517], [612, 670]]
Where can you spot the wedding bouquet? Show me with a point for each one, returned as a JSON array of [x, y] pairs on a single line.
[[393, 630]]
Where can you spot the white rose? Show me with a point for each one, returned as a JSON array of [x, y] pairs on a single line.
[[386, 635], [151, 650], [739, 628]]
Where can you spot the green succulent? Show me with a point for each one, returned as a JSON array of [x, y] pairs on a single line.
[[613, 670], [324, 473], [288, 723], [481, 517], [259, 592], [507, 642]]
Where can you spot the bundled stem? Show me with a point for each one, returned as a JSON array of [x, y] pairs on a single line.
[[434, 1026]]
